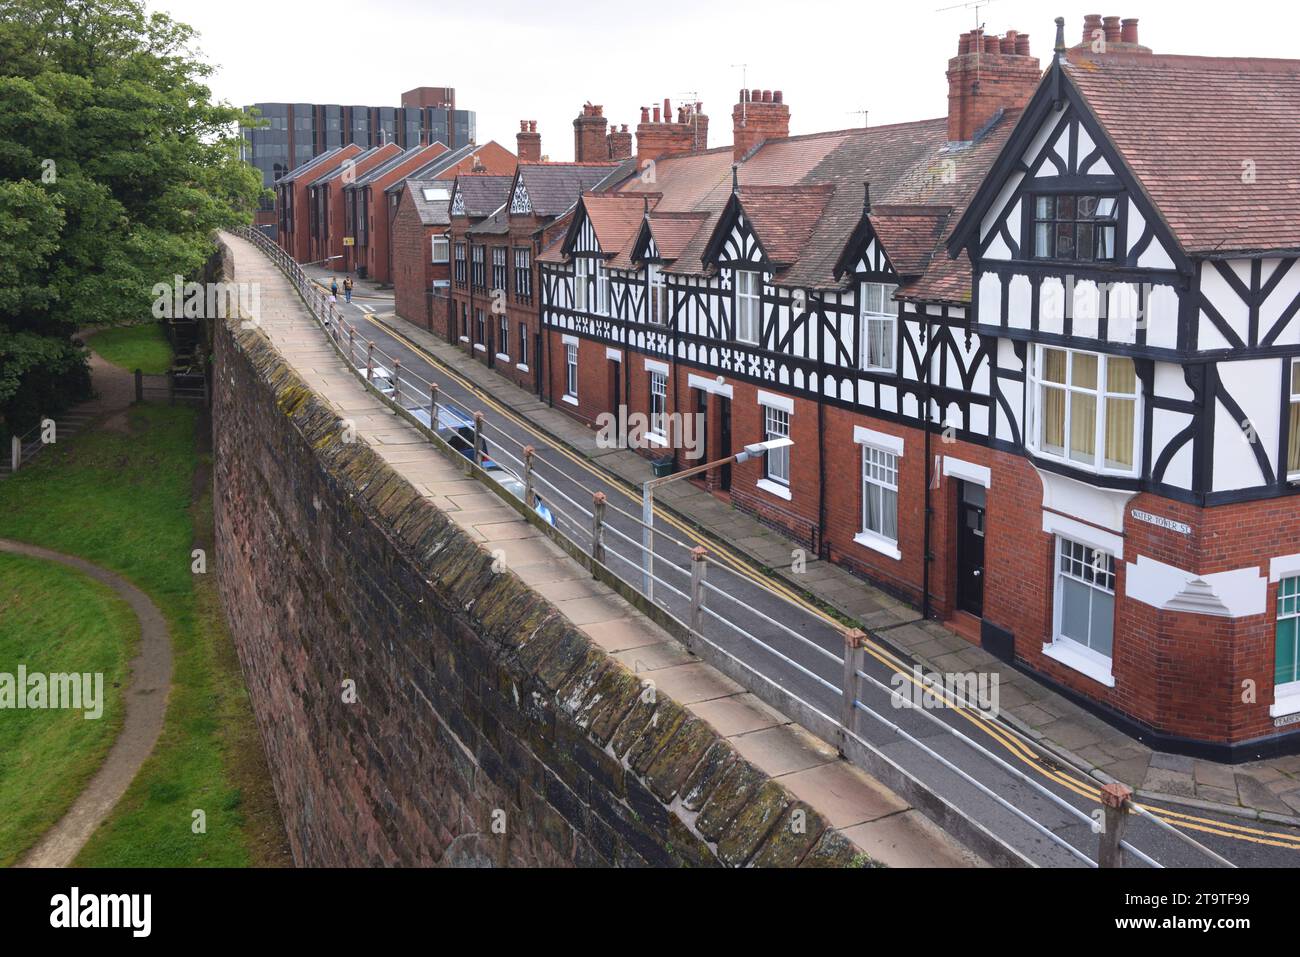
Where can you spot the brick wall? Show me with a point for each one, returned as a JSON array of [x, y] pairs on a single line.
[[474, 701], [414, 270]]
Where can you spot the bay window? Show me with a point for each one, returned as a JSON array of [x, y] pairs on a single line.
[[879, 313], [748, 295], [1084, 409]]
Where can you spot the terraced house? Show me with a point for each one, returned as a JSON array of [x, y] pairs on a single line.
[[499, 225], [1038, 359]]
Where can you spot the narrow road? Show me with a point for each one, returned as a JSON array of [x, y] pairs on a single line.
[[792, 644], [145, 701]]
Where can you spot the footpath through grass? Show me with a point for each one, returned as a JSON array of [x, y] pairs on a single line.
[[54, 619], [144, 347], [127, 496]]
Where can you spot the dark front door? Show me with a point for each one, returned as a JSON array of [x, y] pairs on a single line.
[[615, 386], [724, 441], [970, 548]]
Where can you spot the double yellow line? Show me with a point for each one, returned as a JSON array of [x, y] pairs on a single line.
[[742, 566]]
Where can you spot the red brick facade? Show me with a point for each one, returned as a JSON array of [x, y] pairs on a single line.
[[293, 196]]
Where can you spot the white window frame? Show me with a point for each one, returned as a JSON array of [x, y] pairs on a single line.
[[878, 461], [503, 336], [1286, 695], [571, 371], [1294, 390], [602, 288], [658, 407], [656, 295], [499, 270], [747, 304], [581, 278], [776, 463], [523, 344], [523, 273], [881, 316], [1069, 651], [440, 243], [1101, 396]]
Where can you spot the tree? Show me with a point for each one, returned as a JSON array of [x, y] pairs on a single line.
[[115, 168]]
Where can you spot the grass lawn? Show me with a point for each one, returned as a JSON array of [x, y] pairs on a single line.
[[55, 619], [144, 347], [131, 500]]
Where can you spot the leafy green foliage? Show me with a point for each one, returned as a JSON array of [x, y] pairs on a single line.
[[115, 168]]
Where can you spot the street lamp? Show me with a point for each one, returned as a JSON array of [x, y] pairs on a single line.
[[750, 451]]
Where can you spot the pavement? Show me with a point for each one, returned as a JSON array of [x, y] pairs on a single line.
[[1266, 790], [885, 827]]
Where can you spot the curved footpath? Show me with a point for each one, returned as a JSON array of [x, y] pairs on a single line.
[[146, 706]]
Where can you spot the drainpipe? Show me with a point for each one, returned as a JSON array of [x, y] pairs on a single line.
[[925, 420]]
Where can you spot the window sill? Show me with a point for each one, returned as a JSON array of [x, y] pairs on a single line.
[[879, 544], [480, 347], [1080, 467], [521, 367], [571, 399], [464, 338], [775, 488], [1079, 661], [1286, 700], [503, 357]]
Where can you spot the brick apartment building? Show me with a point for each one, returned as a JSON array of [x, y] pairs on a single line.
[[419, 214], [1039, 359], [324, 212], [293, 196], [498, 227]]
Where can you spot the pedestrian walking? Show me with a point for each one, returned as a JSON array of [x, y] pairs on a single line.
[[347, 289], [334, 290]]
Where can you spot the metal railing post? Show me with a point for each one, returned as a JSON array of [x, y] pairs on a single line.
[[478, 443], [647, 541], [433, 406], [698, 567], [529, 452], [854, 659], [352, 352], [397, 381], [598, 528], [1114, 797], [370, 361]]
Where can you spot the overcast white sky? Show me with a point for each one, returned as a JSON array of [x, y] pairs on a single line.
[[513, 59]]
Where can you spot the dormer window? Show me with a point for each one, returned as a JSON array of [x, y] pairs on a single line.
[[657, 308], [591, 286], [1076, 227], [879, 312], [748, 297]]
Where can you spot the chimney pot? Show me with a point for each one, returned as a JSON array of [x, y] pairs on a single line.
[[668, 110], [1112, 28], [1129, 30], [523, 126], [992, 45], [645, 114], [1022, 44], [756, 96], [532, 126], [1091, 24], [777, 96], [979, 87], [656, 112]]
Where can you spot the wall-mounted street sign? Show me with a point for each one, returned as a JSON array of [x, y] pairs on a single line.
[[349, 241], [1182, 528]]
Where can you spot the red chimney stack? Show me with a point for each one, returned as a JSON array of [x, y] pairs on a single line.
[[1110, 35], [759, 115], [661, 134], [529, 149], [589, 143], [988, 74]]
